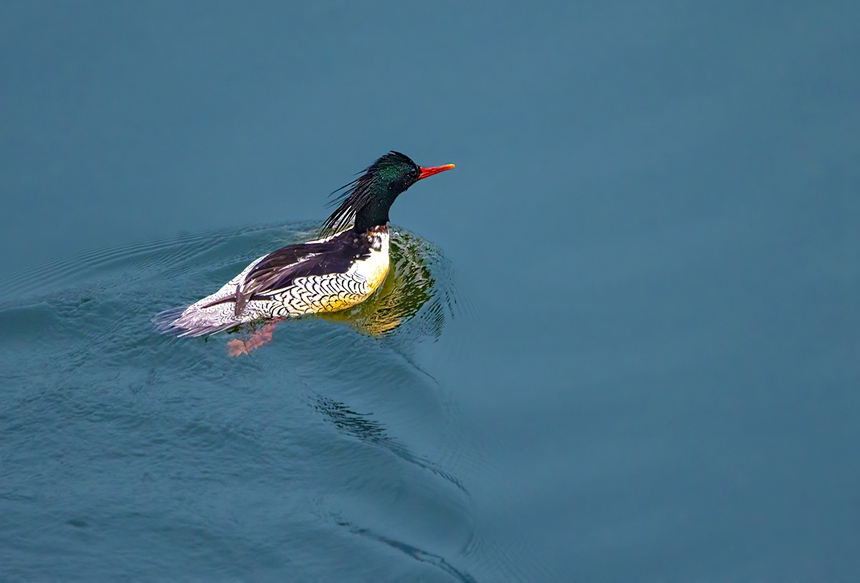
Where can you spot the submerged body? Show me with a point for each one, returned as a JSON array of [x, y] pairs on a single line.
[[319, 276], [335, 272]]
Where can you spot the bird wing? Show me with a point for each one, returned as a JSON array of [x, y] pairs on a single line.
[[279, 269]]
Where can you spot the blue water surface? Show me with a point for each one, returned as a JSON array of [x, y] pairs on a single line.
[[630, 350]]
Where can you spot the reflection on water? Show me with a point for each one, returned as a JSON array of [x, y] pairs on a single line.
[[413, 552], [416, 265], [373, 432]]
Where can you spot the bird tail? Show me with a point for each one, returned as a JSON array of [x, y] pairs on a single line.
[[193, 321]]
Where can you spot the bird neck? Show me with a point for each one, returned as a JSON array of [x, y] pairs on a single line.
[[375, 214]]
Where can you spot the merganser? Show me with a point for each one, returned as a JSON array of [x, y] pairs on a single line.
[[340, 269]]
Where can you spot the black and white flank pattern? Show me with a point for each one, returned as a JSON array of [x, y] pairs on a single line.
[[319, 276]]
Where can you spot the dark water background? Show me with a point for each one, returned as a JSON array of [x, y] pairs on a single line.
[[653, 371]]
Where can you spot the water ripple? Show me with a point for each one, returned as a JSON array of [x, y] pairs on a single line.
[[121, 442]]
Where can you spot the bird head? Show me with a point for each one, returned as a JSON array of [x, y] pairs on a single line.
[[366, 200]]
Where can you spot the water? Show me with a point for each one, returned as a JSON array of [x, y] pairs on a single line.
[[627, 349], [174, 457]]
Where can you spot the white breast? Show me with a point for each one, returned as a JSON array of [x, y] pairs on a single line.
[[373, 269]]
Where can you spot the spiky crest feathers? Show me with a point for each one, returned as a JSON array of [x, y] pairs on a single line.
[[376, 188]]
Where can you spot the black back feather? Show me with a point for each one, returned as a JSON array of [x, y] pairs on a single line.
[[279, 269]]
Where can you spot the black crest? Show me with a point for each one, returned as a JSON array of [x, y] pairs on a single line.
[[368, 198]]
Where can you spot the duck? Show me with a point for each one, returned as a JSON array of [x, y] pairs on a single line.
[[342, 267]]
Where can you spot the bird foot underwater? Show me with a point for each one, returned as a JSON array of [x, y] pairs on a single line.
[[238, 347]]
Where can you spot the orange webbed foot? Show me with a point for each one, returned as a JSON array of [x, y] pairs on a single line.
[[237, 347]]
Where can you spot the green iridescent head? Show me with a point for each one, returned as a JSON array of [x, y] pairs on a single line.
[[367, 199]]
